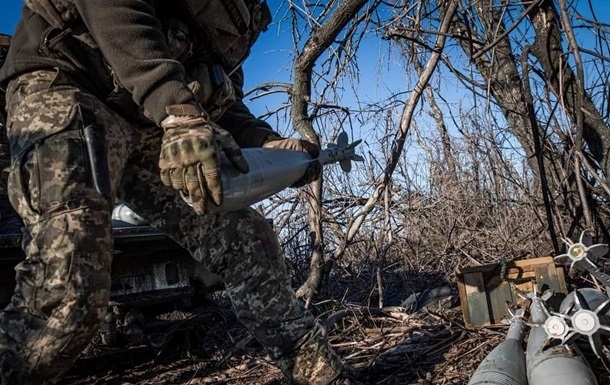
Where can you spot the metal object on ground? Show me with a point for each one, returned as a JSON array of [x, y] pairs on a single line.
[[505, 364], [485, 290], [272, 170], [583, 313], [586, 256], [582, 252], [553, 365], [428, 297]]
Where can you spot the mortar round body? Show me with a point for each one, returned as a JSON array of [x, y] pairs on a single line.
[[271, 171], [505, 365], [593, 297], [554, 365], [557, 370]]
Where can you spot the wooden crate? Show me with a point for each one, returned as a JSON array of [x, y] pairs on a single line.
[[484, 295]]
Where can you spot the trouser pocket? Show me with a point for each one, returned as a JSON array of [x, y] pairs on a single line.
[[64, 171]]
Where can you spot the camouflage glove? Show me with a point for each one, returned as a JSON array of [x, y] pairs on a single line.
[[314, 169], [189, 157]]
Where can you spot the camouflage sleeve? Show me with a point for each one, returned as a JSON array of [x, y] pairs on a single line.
[[131, 39], [247, 130]]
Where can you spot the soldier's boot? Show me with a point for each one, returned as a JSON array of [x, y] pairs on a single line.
[[313, 362]]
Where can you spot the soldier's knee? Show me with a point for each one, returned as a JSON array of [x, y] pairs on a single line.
[[257, 236], [240, 240]]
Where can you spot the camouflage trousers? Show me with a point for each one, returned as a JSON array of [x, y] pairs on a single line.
[[63, 285]]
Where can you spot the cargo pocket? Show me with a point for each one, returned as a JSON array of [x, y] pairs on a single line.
[[52, 175], [37, 109]]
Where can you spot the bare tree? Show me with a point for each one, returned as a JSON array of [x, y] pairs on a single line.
[[508, 164]]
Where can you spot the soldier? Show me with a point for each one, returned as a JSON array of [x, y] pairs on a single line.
[[134, 100]]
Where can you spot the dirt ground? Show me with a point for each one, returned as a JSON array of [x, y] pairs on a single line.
[[384, 347]]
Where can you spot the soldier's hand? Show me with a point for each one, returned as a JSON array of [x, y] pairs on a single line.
[[189, 157], [314, 169]]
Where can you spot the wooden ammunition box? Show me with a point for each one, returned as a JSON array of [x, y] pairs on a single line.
[[485, 294]]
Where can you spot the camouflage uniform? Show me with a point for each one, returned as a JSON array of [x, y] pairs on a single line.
[[8, 222], [63, 285]]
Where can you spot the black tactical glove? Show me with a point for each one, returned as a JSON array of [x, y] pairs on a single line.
[[314, 169], [189, 157]]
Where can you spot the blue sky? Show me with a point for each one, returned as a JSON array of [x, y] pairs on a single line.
[[10, 11]]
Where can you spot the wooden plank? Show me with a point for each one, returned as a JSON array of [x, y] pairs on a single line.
[[463, 297], [500, 292], [477, 298], [546, 277], [561, 279], [528, 264], [477, 269]]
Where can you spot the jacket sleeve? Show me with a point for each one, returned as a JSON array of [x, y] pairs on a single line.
[[247, 130], [130, 37]]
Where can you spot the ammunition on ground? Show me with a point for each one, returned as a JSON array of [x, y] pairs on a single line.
[[272, 170], [584, 297], [584, 313], [549, 364], [505, 364]]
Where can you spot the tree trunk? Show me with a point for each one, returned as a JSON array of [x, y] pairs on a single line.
[[318, 42], [498, 67], [564, 84]]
